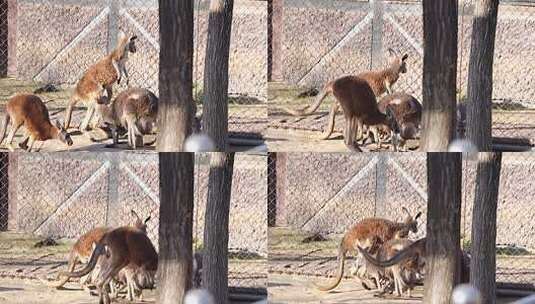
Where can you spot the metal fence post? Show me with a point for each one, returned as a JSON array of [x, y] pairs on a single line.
[[113, 27], [380, 185], [275, 33], [272, 189], [4, 191], [113, 186], [377, 8]]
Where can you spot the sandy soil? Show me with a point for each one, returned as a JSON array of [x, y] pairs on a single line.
[[299, 289], [33, 292]]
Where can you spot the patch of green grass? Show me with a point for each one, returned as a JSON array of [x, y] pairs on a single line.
[[12, 244], [292, 239]]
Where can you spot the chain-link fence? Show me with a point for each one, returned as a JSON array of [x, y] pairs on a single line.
[[320, 196], [3, 38], [318, 41], [57, 40], [65, 195], [4, 190]]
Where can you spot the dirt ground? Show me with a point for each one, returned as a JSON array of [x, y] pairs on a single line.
[[294, 264], [293, 133], [285, 288], [24, 267], [245, 121]]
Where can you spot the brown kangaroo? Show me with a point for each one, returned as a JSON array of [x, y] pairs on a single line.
[[29, 111], [380, 81], [82, 249], [407, 111], [119, 248], [418, 248], [371, 233], [101, 77], [134, 109], [359, 106]]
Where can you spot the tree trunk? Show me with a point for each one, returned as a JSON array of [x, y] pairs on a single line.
[[176, 225], [440, 71], [479, 115], [444, 178], [215, 252], [176, 108], [483, 262], [216, 72]]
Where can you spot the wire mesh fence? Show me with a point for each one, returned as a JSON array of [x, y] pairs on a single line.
[[349, 37], [57, 40], [4, 193], [317, 202], [3, 38], [65, 195]]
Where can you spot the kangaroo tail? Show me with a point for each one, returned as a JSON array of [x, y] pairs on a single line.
[[99, 250], [340, 274], [73, 259], [312, 108], [396, 259], [3, 128]]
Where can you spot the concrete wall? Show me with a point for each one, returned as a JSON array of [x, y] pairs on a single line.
[[57, 40], [323, 40], [67, 194], [330, 192]]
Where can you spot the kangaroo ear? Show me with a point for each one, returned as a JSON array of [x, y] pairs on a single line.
[[134, 214], [404, 57]]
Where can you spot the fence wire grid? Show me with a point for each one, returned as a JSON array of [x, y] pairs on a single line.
[[57, 40], [315, 197], [4, 194], [314, 41], [100, 189]]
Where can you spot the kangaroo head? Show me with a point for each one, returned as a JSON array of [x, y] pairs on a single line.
[[63, 135], [408, 130], [396, 60], [139, 224], [410, 222], [126, 44]]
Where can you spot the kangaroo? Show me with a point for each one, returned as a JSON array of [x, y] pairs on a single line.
[[402, 274], [82, 249], [359, 106], [370, 233], [118, 248], [135, 109], [408, 113], [29, 111], [100, 77], [380, 81], [418, 248]]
